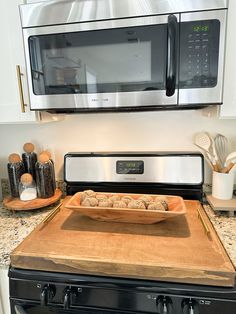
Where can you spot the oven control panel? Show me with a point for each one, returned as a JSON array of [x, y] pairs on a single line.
[[199, 53], [154, 168], [105, 298]]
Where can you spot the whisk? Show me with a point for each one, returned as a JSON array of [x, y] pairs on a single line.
[[222, 148]]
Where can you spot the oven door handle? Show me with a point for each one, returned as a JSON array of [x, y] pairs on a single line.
[[19, 309], [172, 49]]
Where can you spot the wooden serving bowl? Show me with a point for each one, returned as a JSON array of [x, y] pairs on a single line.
[[141, 216]]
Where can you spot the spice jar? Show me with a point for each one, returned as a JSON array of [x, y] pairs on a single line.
[[29, 158], [44, 176], [27, 187], [53, 169], [15, 169]]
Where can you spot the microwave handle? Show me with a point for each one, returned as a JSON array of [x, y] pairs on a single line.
[[171, 68]]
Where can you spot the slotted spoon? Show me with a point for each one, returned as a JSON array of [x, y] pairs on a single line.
[[204, 141]]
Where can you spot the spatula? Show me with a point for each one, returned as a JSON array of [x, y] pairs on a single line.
[[230, 162]]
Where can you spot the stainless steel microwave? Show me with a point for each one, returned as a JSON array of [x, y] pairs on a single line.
[[110, 55]]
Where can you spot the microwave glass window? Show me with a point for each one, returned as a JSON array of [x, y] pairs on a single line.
[[199, 54], [101, 61]]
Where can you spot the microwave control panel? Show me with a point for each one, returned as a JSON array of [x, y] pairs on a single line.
[[199, 53]]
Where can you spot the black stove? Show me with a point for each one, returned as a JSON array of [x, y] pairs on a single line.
[[46, 293]]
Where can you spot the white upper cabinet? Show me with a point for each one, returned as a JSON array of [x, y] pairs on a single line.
[[228, 109], [11, 55]]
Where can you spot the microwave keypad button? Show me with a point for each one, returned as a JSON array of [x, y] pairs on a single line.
[[189, 82], [205, 82]]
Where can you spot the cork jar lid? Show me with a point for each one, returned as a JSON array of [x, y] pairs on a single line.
[[43, 158], [14, 158], [28, 147], [47, 153], [26, 179]]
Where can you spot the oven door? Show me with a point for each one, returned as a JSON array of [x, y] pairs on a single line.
[[28, 307], [103, 65]]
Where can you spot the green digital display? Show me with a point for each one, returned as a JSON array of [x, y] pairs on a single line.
[[130, 167], [201, 28]]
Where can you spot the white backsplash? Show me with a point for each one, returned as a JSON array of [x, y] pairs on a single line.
[[141, 131]]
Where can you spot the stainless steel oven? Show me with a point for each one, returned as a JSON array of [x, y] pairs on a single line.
[[124, 55]]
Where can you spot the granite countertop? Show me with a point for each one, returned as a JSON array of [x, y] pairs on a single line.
[[15, 226]]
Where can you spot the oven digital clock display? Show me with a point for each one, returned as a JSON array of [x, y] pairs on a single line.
[[129, 167]]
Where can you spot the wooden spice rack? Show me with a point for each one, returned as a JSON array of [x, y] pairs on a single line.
[[17, 204]]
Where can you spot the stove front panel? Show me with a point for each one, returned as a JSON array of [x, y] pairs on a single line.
[[62, 293]]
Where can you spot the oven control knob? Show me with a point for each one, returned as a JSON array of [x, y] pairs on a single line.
[[48, 292], [67, 298], [189, 306], [164, 305], [69, 292]]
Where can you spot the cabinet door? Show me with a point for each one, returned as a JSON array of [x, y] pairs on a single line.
[[4, 291], [228, 109], [12, 54]]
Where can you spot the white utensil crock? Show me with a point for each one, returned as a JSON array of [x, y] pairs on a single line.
[[222, 185]]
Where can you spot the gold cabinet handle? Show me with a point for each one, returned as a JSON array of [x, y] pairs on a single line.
[[19, 74]]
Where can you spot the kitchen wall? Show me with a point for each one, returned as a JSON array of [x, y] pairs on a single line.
[[142, 131]]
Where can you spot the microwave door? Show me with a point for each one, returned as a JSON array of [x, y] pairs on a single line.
[[202, 37], [113, 64]]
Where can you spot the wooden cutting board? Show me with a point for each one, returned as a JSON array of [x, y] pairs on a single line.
[[175, 250]]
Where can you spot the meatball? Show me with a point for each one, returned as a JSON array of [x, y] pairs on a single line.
[[90, 202], [136, 204]]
